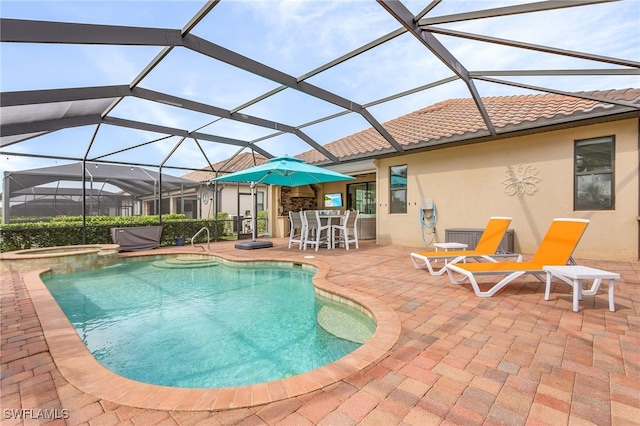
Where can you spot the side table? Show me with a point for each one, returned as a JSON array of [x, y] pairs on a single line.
[[573, 275], [450, 246]]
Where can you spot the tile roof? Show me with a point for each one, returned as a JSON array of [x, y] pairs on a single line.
[[459, 119], [242, 161], [449, 121]]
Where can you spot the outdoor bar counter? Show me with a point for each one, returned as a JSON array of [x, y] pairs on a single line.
[[367, 227]]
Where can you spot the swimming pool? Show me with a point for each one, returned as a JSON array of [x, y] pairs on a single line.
[[217, 325]]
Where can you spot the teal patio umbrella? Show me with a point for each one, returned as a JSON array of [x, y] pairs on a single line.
[[283, 171]]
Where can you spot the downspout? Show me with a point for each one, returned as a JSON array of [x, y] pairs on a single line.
[[638, 217]]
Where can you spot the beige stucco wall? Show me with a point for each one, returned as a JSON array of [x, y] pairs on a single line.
[[229, 199], [466, 185]]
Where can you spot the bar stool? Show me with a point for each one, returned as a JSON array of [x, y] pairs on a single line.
[[347, 230], [296, 234], [315, 233]]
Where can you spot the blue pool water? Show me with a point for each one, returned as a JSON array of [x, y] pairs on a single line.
[[212, 326]]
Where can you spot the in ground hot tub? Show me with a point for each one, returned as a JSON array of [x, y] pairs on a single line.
[[61, 259]]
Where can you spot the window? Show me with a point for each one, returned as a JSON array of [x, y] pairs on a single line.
[[362, 197], [593, 187], [398, 189], [260, 201]]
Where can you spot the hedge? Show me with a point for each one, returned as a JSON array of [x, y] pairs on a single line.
[[67, 230]]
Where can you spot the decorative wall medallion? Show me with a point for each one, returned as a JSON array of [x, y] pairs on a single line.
[[521, 180]]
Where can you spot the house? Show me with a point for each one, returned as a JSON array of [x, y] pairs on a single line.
[[232, 198], [552, 155]]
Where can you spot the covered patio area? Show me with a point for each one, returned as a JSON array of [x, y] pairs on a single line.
[[510, 359]]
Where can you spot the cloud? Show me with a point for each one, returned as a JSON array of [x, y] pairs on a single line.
[[116, 64], [298, 36]]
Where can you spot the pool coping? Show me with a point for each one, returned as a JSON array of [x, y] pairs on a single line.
[[78, 366]]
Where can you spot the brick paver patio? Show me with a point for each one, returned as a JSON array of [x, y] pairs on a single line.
[[511, 359]]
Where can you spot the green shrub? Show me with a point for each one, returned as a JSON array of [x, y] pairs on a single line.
[[117, 220], [64, 231], [262, 222], [67, 230]]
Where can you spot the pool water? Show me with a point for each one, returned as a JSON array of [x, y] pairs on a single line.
[[213, 326]]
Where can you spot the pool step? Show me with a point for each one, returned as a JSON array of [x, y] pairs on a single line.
[[343, 325], [185, 262]]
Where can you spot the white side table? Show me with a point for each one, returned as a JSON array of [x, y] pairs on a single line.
[[573, 275], [450, 246]]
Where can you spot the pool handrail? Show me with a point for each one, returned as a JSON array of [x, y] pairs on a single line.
[[204, 228]]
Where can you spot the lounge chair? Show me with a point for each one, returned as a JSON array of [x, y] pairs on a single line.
[[486, 248], [554, 250]]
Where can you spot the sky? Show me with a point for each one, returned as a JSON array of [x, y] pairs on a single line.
[[294, 37]]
